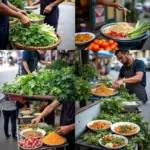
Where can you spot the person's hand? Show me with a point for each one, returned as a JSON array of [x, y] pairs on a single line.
[[118, 83], [64, 130], [35, 121], [47, 9], [22, 12], [119, 7], [24, 19]]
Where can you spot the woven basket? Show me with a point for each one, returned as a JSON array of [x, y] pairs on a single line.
[[13, 22], [50, 47]]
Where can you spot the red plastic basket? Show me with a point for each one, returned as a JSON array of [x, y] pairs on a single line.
[[17, 98]]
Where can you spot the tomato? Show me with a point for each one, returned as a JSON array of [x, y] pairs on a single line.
[[108, 48], [96, 47], [107, 138], [96, 41], [115, 145], [90, 47], [116, 44], [104, 44], [113, 47], [101, 49], [100, 42], [110, 42]]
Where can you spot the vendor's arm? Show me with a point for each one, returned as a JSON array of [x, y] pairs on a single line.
[[36, 3], [5, 10], [26, 67], [140, 69], [66, 129], [111, 4], [49, 7], [43, 62], [42, 105], [16, 9], [46, 111], [135, 79]]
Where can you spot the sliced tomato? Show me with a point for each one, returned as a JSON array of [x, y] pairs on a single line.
[[115, 145]]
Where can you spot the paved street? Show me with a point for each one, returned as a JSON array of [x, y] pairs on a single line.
[[66, 25]]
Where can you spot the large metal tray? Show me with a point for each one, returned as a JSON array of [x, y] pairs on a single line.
[[107, 26]]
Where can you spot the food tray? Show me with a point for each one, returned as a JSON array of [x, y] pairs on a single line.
[[50, 47], [80, 142], [26, 97], [103, 28], [100, 95]]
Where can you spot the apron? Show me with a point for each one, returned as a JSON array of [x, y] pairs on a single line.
[[53, 16], [4, 29], [135, 88], [67, 118]]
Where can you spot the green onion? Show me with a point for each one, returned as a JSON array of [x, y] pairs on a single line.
[[140, 28]]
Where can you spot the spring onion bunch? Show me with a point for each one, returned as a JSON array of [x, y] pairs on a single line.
[[140, 28]]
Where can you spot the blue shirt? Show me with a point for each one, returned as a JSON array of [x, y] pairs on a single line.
[[138, 66], [53, 15], [32, 58]]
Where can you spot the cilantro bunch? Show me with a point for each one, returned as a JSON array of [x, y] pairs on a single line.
[[33, 35]]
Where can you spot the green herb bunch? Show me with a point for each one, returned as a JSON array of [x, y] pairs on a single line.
[[88, 71], [33, 35]]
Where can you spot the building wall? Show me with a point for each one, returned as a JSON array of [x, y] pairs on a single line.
[[140, 53]]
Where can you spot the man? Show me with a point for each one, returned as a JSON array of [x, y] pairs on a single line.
[[50, 118], [50, 9], [133, 74], [30, 60], [9, 113], [67, 120], [111, 4], [7, 9], [29, 64]]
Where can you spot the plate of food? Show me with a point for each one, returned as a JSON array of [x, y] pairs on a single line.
[[25, 126], [26, 112], [103, 91], [83, 38], [54, 139], [38, 133], [30, 143], [113, 141], [125, 128], [123, 31], [99, 125]]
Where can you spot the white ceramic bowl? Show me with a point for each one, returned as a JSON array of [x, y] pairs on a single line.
[[90, 123], [83, 43], [119, 136], [125, 123]]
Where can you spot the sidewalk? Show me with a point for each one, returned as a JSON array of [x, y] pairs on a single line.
[[6, 67]]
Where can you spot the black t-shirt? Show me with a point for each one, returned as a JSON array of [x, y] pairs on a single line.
[[138, 66], [67, 113], [32, 58]]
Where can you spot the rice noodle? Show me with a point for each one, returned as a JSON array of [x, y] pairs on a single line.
[[121, 27]]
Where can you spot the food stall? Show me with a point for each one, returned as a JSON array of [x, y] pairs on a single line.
[[98, 19], [89, 138]]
